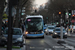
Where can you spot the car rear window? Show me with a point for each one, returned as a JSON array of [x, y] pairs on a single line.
[[15, 32]]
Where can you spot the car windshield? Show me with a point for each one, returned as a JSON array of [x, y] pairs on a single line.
[[59, 29], [50, 27], [34, 24], [15, 32]]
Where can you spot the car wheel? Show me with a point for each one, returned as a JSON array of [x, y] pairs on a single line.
[[42, 37], [2, 45], [21, 45], [53, 37], [65, 37]]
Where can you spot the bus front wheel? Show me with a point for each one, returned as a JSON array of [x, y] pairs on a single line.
[[42, 37]]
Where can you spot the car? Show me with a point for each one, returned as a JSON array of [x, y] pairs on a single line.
[[57, 32], [45, 27], [3, 40], [17, 37], [49, 30]]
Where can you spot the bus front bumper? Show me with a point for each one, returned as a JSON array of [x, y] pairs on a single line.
[[34, 35]]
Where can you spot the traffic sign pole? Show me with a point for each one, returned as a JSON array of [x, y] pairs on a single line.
[[61, 34], [61, 31]]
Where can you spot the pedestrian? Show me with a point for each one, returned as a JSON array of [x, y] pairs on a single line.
[[22, 26]]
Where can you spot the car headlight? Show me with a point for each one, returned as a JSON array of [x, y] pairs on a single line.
[[46, 30], [65, 33], [55, 33], [19, 39], [4, 38], [42, 32]]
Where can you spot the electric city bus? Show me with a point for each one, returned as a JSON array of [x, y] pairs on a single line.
[[34, 26]]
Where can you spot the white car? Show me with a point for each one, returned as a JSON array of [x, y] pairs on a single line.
[[49, 30]]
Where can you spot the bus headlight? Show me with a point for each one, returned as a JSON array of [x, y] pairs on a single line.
[[26, 32], [42, 32]]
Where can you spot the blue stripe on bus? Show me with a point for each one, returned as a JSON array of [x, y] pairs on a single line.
[[35, 34]]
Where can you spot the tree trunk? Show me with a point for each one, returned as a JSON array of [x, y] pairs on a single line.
[[17, 17], [19, 6], [1, 12]]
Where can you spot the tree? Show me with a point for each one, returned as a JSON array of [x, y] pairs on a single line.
[[29, 7], [1, 12], [19, 6], [60, 5]]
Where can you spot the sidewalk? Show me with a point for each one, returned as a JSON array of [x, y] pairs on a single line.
[[6, 49], [17, 48], [71, 35]]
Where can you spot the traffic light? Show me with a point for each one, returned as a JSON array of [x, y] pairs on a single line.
[[66, 13], [69, 12], [60, 15], [73, 15], [59, 12]]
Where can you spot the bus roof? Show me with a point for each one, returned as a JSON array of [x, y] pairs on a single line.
[[31, 16]]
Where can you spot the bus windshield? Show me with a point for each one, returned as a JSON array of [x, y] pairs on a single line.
[[34, 24]]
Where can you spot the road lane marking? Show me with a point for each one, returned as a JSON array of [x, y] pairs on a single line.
[[48, 49], [45, 48], [68, 46]]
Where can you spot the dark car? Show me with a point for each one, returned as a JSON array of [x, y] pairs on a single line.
[[17, 37], [57, 32], [3, 40]]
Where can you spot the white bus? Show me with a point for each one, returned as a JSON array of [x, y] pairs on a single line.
[[34, 26]]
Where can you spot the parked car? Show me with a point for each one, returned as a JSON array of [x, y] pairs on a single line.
[[57, 32], [49, 30], [3, 40], [17, 37]]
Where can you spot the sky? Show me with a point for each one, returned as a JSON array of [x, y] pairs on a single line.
[[39, 2]]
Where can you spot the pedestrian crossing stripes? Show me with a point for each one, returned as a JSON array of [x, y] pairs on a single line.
[[48, 49]]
